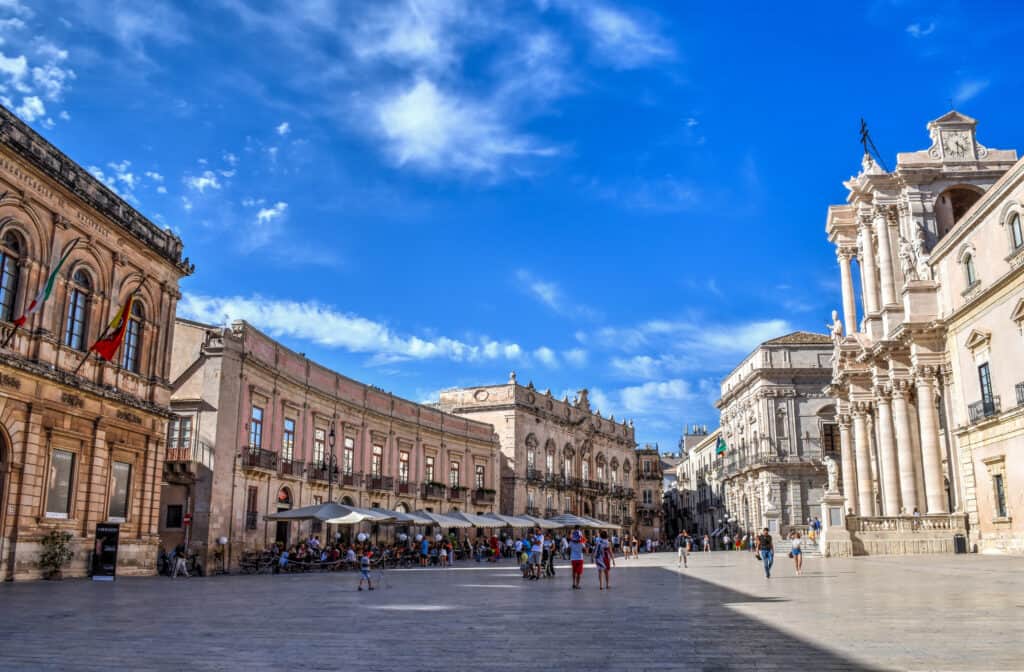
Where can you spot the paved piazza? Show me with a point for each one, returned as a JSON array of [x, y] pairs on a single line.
[[928, 612]]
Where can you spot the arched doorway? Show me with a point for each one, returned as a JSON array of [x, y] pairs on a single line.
[[284, 503], [347, 501], [402, 508]]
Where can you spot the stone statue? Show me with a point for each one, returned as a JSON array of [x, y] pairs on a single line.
[[908, 260], [836, 328], [833, 473], [924, 271], [769, 499]]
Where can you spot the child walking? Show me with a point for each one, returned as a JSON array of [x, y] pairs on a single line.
[[364, 571]]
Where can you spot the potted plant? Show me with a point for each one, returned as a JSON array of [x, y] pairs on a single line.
[[56, 553]]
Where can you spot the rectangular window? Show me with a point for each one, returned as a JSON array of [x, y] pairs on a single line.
[[1000, 492], [567, 467], [252, 507], [549, 463], [585, 473], [58, 497], [600, 472], [403, 467], [429, 470], [454, 478], [319, 440], [121, 476], [377, 461], [481, 480], [74, 331], [184, 433], [172, 433], [256, 428], [648, 497], [531, 458], [529, 500], [173, 518], [130, 352], [288, 440], [8, 285], [985, 379], [647, 466], [348, 456]]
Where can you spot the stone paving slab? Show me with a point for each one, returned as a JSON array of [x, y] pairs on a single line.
[[926, 612]]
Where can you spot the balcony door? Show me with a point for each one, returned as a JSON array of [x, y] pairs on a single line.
[[985, 379], [284, 503]]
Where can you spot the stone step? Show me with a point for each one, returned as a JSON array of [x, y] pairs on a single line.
[[807, 547]]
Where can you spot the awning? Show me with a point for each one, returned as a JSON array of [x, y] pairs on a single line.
[[600, 524], [473, 519], [320, 512], [510, 521], [542, 523], [444, 521], [403, 518], [569, 520], [355, 515]]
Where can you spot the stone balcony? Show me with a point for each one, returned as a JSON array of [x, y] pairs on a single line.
[[984, 409], [380, 483], [483, 496], [184, 464], [258, 459], [433, 491]]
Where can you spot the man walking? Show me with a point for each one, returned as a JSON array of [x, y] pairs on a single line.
[[576, 557], [536, 554], [764, 547], [682, 548]]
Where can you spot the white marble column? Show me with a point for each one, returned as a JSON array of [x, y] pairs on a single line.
[[890, 481], [846, 285], [868, 269], [904, 445], [885, 266], [931, 450], [849, 465], [865, 495]]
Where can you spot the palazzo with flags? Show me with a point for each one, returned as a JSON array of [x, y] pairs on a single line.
[[88, 291]]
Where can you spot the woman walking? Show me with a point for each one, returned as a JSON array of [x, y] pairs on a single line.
[[603, 560], [796, 553]]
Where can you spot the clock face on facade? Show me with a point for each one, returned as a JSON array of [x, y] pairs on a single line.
[[956, 145]]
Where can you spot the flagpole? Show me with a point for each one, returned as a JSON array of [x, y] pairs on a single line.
[[40, 299]]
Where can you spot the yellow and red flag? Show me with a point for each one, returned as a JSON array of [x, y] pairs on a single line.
[[108, 344]]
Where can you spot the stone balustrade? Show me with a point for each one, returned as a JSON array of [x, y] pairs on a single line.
[[905, 535]]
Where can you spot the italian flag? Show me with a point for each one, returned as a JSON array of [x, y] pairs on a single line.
[[720, 446], [107, 346], [47, 289]]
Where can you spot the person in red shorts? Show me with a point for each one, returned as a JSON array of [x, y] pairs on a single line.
[[576, 542]]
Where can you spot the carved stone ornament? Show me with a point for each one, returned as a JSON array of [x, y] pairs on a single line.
[[908, 259], [833, 473]]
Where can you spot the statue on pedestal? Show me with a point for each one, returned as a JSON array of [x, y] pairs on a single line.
[[833, 473], [923, 271], [908, 260], [836, 328]]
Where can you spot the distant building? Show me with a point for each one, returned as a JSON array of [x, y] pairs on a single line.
[[650, 522], [778, 425], [557, 456]]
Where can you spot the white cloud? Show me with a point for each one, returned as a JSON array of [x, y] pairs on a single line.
[[284, 128], [415, 34], [155, 176], [623, 41], [323, 325], [575, 356], [227, 173], [15, 67], [17, 7], [654, 396], [31, 108], [969, 89], [551, 295], [436, 131], [161, 189], [230, 159], [208, 180], [268, 215], [250, 202], [546, 356], [64, 115], [186, 203], [640, 366], [920, 30]]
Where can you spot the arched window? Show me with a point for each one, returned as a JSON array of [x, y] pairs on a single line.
[[78, 306], [10, 252], [969, 272], [1016, 232], [133, 339]]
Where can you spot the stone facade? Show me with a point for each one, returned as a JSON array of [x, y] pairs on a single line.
[[696, 505], [650, 523], [778, 426], [557, 456], [937, 289], [253, 436], [80, 442]]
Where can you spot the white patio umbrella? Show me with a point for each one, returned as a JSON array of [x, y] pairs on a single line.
[[542, 523], [473, 519], [510, 521], [321, 512], [444, 521], [355, 515], [569, 520]]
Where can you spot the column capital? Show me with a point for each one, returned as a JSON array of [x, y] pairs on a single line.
[[860, 408], [844, 421], [882, 393], [925, 374], [886, 211], [902, 388]]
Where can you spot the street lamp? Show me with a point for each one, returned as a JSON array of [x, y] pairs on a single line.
[[331, 465]]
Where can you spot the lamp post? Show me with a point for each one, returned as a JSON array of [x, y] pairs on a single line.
[[331, 465]]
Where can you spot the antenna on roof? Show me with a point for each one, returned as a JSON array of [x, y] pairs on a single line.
[[869, 145]]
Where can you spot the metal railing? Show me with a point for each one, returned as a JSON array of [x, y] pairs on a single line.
[[456, 493], [199, 452], [534, 475], [353, 478], [404, 488], [258, 458], [433, 491], [321, 472], [380, 483], [533, 511], [483, 496], [251, 518], [985, 408], [291, 467]]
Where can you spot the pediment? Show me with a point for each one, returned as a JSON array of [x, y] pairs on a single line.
[[953, 117], [978, 338], [1018, 312]]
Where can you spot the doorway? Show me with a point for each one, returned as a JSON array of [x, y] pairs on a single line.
[[284, 503]]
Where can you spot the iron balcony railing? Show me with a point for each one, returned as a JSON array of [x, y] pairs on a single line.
[[380, 483], [456, 493], [199, 452], [353, 478], [534, 475], [533, 511], [985, 408], [291, 467], [433, 491], [258, 458], [321, 472], [483, 496], [405, 487]]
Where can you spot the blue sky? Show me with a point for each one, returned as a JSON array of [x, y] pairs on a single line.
[[626, 197]]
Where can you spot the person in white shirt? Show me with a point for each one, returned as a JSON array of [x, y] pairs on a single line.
[[536, 554]]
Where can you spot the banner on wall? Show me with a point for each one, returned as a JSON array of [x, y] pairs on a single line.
[[104, 556]]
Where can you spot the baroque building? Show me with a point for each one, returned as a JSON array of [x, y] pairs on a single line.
[[81, 439], [557, 456], [779, 426], [697, 504], [261, 429], [927, 382]]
